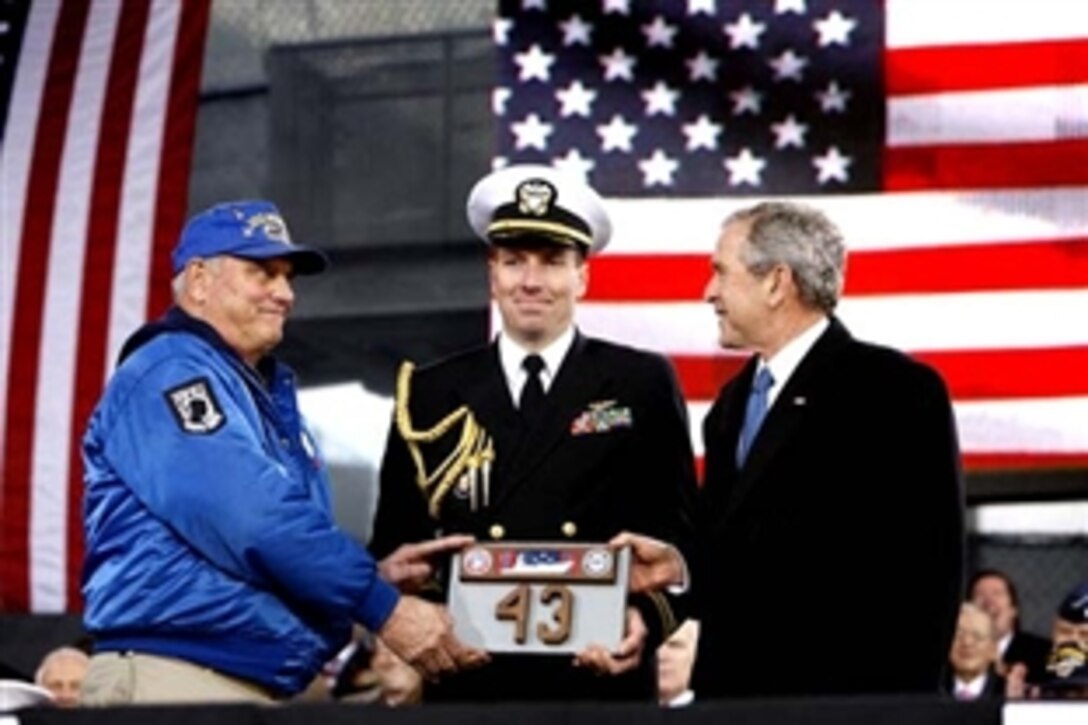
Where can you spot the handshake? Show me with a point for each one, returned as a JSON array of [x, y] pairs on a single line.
[[421, 633]]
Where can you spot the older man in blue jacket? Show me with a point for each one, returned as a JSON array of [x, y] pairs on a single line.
[[214, 568]]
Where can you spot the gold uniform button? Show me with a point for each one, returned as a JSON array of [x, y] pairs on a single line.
[[497, 531], [570, 529]]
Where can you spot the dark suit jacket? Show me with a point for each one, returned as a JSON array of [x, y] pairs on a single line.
[[637, 477], [833, 562], [1032, 650]]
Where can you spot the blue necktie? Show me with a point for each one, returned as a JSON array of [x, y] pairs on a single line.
[[754, 413]]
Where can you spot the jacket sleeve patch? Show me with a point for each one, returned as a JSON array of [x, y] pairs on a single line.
[[195, 407]]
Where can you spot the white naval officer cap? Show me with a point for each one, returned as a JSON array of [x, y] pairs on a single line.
[[532, 200]]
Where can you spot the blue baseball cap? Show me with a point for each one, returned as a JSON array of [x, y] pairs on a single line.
[[1074, 608], [246, 229]]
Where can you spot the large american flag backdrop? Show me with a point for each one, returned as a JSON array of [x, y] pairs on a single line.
[[98, 102], [948, 138]]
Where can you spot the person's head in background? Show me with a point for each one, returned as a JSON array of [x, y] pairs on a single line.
[[974, 647], [61, 672], [1071, 621], [675, 659], [995, 593]]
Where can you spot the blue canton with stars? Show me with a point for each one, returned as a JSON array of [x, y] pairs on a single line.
[[13, 14], [695, 97]]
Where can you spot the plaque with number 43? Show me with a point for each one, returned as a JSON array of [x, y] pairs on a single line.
[[539, 598]]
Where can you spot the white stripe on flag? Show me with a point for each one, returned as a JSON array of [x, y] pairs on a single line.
[[1041, 113], [128, 308], [60, 321], [868, 222], [988, 426], [915, 323], [912, 23], [19, 133]]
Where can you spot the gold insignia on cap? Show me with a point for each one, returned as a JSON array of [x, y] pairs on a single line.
[[535, 197], [496, 531], [569, 528]]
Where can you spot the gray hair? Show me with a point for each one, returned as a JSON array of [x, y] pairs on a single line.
[[801, 238], [177, 284], [56, 655]]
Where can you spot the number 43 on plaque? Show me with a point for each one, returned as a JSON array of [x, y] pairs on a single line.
[[539, 598]]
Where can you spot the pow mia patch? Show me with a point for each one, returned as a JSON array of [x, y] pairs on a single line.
[[195, 407]]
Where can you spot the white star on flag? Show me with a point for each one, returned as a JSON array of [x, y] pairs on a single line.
[[531, 133], [744, 33], [744, 168], [789, 6], [658, 169], [660, 100], [788, 66], [659, 34], [702, 67], [500, 30], [746, 100], [574, 163], [617, 134], [789, 133], [499, 97], [621, 7], [534, 63], [576, 31], [702, 134], [710, 7], [575, 100], [833, 100], [832, 166], [618, 65], [835, 29]]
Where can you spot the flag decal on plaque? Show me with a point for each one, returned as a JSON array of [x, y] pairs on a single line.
[[539, 562]]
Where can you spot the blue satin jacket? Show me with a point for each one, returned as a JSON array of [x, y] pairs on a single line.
[[209, 530]]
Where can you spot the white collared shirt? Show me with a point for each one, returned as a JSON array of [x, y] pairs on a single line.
[[512, 354], [789, 357], [969, 690]]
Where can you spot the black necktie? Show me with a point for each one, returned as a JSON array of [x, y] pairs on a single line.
[[532, 393]]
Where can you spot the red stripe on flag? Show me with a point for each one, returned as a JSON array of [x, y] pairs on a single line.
[[969, 374], [177, 150], [1010, 374], [937, 69], [1028, 265], [701, 377], [29, 304], [977, 462], [649, 277], [994, 462], [98, 266], [1005, 165]]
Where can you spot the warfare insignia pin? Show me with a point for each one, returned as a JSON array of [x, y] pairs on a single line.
[[195, 407], [601, 417]]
